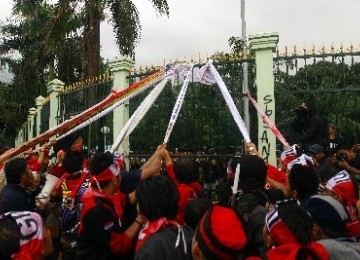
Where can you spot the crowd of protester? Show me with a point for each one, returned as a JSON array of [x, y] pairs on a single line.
[[172, 206]]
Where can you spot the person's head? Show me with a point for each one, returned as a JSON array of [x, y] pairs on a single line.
[[329, 217], [316, 151], [157, 197], [344, 152], [17, 171], [345, 190], [286, 223], [186, 170], [342, 188], [219, 235], [326, 171], [289, 226], [9, 237], [252, 172], [104, 172], [194, 211], [73, 161], [302, 182]]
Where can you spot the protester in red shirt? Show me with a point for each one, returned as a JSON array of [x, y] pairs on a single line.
[[100, 232], [185, 173]]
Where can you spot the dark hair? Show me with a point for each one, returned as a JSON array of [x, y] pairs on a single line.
[[100, 162], [194, 211], [14, 169], [186, 170], [73, 161], [304, 180], [252, 172], [157, 197], [326, 171], [300, 224], [9, 237]]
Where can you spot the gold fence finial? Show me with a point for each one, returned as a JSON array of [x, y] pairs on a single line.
[[323, 49], [332, 50], [304, 50], [351, 47], [341, 48], [295, 50], [286, 51], [313, 50]]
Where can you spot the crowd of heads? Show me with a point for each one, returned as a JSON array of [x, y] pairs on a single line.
[[298, 209]]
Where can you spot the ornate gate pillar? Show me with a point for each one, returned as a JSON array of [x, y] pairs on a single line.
[[263, 45], [121, 67], [53, 89]]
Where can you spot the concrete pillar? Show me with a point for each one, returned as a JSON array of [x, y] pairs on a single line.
[[121, 67], [53, 89], [263, 46], [31, 120], [19, 138], [39, 101]]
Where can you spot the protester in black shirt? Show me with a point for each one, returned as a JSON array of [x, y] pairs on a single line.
[[309, 127], [15, 196]]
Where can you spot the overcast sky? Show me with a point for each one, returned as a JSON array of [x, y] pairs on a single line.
[[205, 26]]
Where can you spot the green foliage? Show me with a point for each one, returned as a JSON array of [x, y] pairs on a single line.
[[332, 86], [26, 51]]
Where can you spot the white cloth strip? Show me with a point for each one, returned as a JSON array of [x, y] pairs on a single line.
[[139, 114], [236, 179], [178, 104], [111, 108], [205, 78]]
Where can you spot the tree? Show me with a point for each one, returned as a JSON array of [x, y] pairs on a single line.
[[25, 50], [124, 17]]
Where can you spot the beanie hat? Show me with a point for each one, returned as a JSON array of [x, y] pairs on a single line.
[[290, 154], [279, 232], [288, 245], [315, 149], [220, 233], [303, 160], [342, 185], [327, 212]]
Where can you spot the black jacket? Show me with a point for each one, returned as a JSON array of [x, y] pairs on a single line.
[[162, 245], [16, 198]]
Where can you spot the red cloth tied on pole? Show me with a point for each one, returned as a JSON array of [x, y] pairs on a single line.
[[113, 97]]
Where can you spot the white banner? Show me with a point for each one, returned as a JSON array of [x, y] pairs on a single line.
[[207, 75], [139, 114], [178, 104]]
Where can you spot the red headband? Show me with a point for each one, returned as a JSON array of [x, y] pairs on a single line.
[[107, 175]]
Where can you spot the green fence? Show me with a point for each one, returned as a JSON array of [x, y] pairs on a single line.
[[74, 100], [331, 80]]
